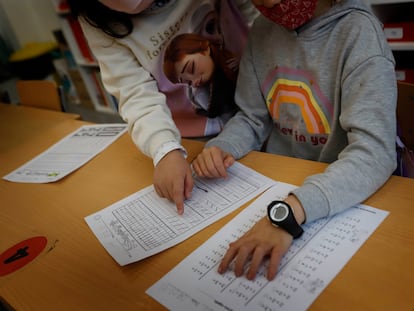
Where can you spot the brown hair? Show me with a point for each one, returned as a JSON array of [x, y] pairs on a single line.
[[179, 47]]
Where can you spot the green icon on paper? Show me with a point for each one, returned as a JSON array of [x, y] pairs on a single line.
[[54, 174]]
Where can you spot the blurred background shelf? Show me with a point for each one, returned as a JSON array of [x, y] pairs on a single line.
[[398, 19], [26, 23]]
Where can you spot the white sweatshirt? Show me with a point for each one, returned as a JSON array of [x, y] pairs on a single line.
[[157, 111]]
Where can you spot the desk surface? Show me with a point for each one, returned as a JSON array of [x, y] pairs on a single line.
[[76, 273], [22, 123]]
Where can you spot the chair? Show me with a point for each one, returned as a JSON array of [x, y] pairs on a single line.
[[405, 113], [405, 122], [40, 94]]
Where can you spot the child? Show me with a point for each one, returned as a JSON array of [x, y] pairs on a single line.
[[318, 85], [128, 38]]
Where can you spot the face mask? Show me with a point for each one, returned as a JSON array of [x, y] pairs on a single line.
[[127, 6], [290, 13]]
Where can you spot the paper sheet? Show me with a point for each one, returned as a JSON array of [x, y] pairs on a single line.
[[68, 154], [144, 224], [310, 264]]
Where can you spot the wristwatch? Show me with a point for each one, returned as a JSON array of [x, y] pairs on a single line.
[[281, 215]]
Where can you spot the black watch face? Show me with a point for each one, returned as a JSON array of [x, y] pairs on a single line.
[[279, 212]]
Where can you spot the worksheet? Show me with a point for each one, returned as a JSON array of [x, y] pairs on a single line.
[[68, 154], [144, 224], [307, 268]]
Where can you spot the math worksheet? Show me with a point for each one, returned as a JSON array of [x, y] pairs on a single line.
[[311, 263], [68, 154], [144, 224]]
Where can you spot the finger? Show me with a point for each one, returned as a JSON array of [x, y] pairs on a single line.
[[257, 259], [223, 161], [178, 197], [275, 258], [199, 165], [228, 160], [196, 167], [227, 259], [209, 166], [219, 165], [241, 260], [188, 184], [179, 203]]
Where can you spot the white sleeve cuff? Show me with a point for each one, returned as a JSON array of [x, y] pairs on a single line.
[[166, 148]]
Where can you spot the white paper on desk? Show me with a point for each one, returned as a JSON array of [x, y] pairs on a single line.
[[310, 264], [144, 224], [68, 154]]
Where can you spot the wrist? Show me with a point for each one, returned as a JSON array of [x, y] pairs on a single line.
[[166, 148], [281, 215], [297, 208], [173, 155]]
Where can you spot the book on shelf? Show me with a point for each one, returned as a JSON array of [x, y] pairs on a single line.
[[399, 32], [80, 39], [105, 101], [110, 100], [85, 73], [73, 31], [61, 6], [405, 74]]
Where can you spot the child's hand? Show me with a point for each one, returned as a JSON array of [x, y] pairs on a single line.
[[213, 162], [173, 179], [262, 241]]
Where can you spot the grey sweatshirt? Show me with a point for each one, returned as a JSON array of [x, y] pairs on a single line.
[[325, 92]]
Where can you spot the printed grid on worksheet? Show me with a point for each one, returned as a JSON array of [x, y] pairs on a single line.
[[209, 197]]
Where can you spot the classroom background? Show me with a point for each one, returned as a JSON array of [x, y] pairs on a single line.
[[39, 40], [69, 269]]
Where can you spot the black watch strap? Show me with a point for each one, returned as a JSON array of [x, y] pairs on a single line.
[[284, 218]]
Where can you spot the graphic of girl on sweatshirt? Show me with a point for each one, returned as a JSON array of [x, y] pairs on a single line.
[[193, 59]]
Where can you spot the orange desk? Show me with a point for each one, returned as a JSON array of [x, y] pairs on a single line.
[[76, 273], [22, 123]]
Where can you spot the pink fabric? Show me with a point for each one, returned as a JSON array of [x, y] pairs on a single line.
[[127, 6], [290, 13]]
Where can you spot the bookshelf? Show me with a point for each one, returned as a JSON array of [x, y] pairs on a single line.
[[398, 21], [84, 72]]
